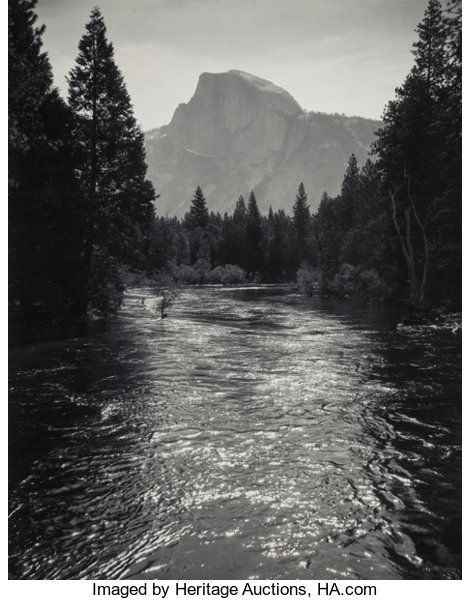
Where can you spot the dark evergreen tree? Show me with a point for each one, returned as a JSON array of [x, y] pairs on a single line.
[[239, 214], [370, 243], [419, 157], [120, 199], [350, 192], [448, 255], [45, 201], [183, 248], [270, 217], [329, 233], [302, 223], [279, 268], [213, 235], [164, 246], [407, 142], [226, 250], [254, 237], [238, 234], [198, 214]]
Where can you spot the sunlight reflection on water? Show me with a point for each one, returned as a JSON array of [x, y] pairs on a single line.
[[251, 434]]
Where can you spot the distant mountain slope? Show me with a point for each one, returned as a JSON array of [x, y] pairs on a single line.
[[240, 132]]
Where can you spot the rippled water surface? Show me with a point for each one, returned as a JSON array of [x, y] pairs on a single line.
[[251, 434]]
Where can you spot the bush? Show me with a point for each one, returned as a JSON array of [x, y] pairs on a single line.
[[228, 274], [201, 272], [202, 268], [343, 282], [186, 274], [354, 281], [308, 280]]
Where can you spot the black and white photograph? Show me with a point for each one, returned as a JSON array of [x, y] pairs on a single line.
[[235, 291]]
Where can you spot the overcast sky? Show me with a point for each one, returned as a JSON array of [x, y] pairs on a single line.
[[342, 56]]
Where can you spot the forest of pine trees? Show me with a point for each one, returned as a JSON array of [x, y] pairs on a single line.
[[82, 211]]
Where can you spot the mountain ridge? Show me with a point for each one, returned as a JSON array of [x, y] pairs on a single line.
[[240, 132]]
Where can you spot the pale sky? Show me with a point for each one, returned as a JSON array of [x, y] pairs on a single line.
[[343, 56]]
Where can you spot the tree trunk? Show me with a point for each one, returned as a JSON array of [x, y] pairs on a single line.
[[417, 283]]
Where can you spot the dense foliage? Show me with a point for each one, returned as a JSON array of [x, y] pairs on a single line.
[[119, 200], [80, 208], [419, 157], [262, 248], [46, 274]]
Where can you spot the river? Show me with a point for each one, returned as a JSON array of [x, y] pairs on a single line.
[[251, 434]]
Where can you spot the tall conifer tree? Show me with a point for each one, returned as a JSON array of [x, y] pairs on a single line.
[[409, 140], [350, 192], [419, 155], [198, 213], [239, 214], [238, 233], [120, 198], [45, 224], [254, 236], [302, 223], [278, 248]]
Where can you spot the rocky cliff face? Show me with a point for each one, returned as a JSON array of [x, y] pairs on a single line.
[[240, 133]]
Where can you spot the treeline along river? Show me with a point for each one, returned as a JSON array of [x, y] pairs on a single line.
[[251, 434]]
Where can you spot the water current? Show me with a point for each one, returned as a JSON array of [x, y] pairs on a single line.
[[251, 434]]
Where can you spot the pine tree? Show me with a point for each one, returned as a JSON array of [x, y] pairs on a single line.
[[253, 214], [45, 224], [302, 223], [278, 261], [430, 48], [254, 234], [226, 244], [420, 161], [329, 233], [198, 213], [120, 199], [30, 78], [350, 192], [183, 248], [409, 140], [238, 233], [271, 216], [368, 194], [239, 214], [453, 23], [449, 230], [369, 244]]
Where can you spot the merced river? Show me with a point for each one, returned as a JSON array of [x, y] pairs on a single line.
[[253, 433]]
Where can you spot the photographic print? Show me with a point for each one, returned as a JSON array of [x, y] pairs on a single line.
[[235, 290]]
